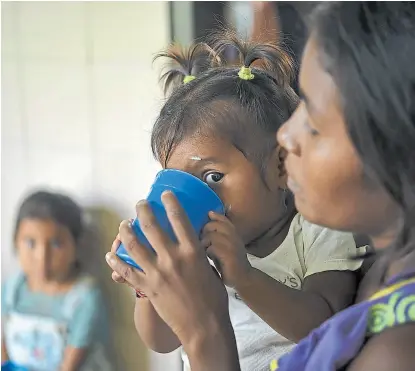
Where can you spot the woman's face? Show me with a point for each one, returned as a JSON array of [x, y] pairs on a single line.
[[325, 172]]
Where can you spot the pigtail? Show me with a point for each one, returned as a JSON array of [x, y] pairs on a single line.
[[268, 57], [185, 64]]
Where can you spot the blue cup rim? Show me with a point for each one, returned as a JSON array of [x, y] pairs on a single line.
[[191, 177]]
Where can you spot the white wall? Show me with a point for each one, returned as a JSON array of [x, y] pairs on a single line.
[[79, 96]]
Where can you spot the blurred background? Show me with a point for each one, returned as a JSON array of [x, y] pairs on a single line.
[[79, 97]]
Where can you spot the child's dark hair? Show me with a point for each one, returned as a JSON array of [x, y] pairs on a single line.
[[52, 206], [369, 49], [215, 99]]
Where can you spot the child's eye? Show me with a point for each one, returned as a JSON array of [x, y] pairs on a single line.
[[55, 244], [213, 178], [30, 243]]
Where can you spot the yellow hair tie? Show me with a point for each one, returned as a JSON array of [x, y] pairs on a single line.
[[245, 73], [188, 78]]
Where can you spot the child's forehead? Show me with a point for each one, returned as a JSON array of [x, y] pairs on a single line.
[[204, 146], [41, 226], [200, 150]]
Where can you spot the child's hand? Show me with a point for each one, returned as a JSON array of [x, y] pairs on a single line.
[[226, 249]]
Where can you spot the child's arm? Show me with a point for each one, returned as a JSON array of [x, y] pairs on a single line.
[[4, 311], [154, 332], [4, 355], [73, 358], [295, 313], [292, 313]]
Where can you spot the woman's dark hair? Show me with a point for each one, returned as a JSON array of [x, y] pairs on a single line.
[[369, 49], [248, 113], [52, 206]]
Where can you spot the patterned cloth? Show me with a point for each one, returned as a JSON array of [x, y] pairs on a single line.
[[336, 343]]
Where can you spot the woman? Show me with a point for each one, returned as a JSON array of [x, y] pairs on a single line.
[[356, 122]]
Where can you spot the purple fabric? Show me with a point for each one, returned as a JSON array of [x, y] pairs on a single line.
[[337, 341]]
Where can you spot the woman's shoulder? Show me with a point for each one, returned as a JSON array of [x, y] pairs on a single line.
[[391, 307], [390, 330]]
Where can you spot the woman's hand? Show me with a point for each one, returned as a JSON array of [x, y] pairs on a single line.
[[181, 285], [118, 278], [114, 247]]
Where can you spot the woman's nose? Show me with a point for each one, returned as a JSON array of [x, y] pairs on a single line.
[[287, 139]]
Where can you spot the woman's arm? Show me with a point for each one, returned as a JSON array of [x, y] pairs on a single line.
[[213, 348], [266, 26]]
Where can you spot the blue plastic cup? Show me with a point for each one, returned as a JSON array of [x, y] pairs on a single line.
[[194, 195]]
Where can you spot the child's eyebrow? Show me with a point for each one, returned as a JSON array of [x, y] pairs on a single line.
[[198, 161], [205, 160]]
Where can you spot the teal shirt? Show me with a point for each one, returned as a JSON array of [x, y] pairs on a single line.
[[88, 325]]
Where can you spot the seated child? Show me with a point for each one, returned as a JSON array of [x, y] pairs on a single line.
[[53, 314]]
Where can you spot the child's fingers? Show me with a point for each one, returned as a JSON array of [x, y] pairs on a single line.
[[208, 238], [218, 227], [205, 242], [217, 243], [219, 217]]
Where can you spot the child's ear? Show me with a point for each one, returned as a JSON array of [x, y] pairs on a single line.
[[281, 155], [277, 175]]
